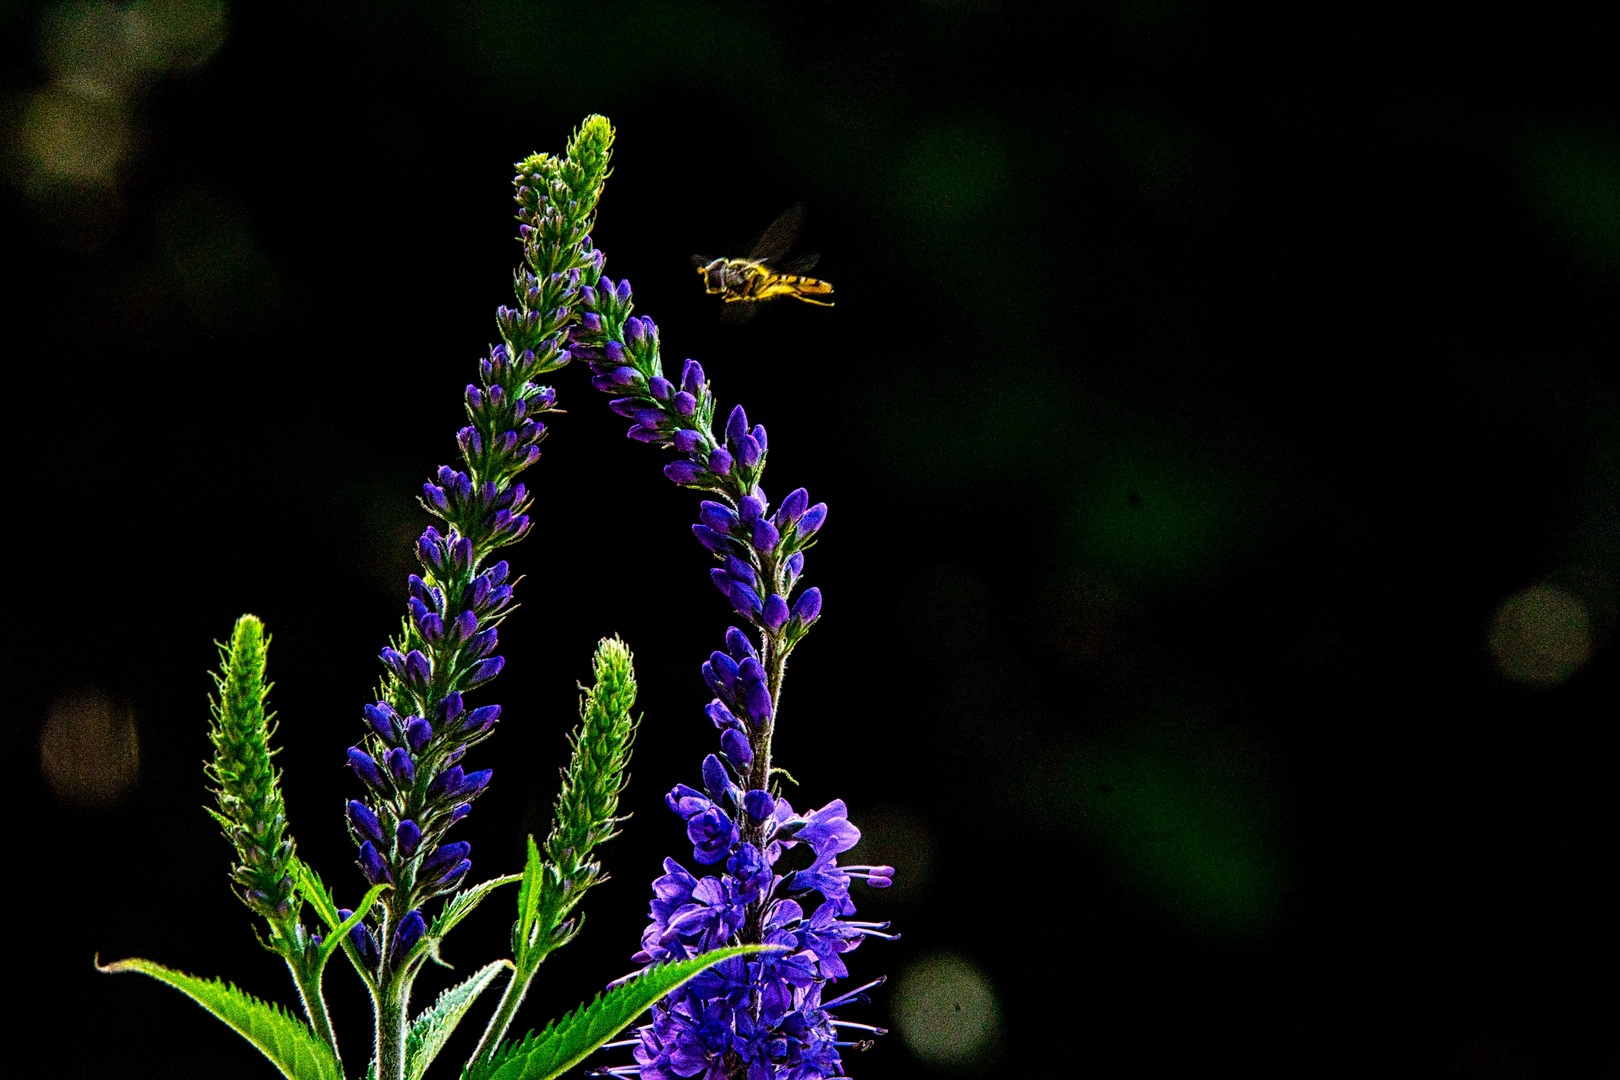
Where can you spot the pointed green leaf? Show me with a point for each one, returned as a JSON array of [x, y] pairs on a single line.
[[529, 893], [287, 1041], [319, 897], [433, 1027], [565, 1043], [461, 905]]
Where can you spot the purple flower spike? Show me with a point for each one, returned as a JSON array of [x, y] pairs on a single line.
[[758, 804], [401, 766], [364, 822], [775, 613], [409, 837], [734, 745], [408, 933], [372, 865], [365, 767], [808, 607], [736, 426]]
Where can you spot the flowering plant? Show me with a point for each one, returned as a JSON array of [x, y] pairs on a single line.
[[734, 969]]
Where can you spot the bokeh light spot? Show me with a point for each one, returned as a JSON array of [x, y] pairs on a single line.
[[72, 136], [1540, 636], [88, 749], [947, 1012]]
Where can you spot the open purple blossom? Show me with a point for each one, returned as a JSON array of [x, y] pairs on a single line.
[[763, 1015]]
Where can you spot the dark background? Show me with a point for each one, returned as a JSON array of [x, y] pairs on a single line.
[[1200, 387]]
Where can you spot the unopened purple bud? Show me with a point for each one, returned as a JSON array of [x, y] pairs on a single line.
[[409, 837], [624, 376], [721, 579], [682, 472], [757, 702], [792, 508], [473, 785], [759, 435], [740, 570], [736, 425], [684, 404], [749, 452], [484, 670], [720, 461], [466, 625], [401, 766], [687, 440], [724, 666], [475, 398], [795, 564], [481, 720], [734, 745], [626, 407], [651, 419], [435, 498], [458, 813], [807, 609], [622, 293], [716, 516], [364, 822], [715, 780], [444, 782], [692, 377], [443, 858], [749, 508], [644, 435], [591, 321], [750, 670], [744, 599], [634, 333], [708, 537], [418, 732], [587, 295], [408, 933], [765, 537], [394, 660], [497, 573], [365, 767], [417, 668], [614, 351], [481, 644], [738, 645], [431, 628], [453, 876], [758, 804], [660, 388], [775, 612], [381, 718], [723, 717], [372, 865], [429, 551], [812, 519]]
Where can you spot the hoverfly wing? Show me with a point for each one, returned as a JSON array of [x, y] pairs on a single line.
[[801, 264], [779, 237]]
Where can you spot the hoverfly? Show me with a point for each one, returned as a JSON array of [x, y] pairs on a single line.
[[758, 277]]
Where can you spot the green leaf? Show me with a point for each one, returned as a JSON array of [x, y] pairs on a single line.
[[287, 1041], [320, 898], [461, 905], [565, 1043], [433, 1028], [529, 894]]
